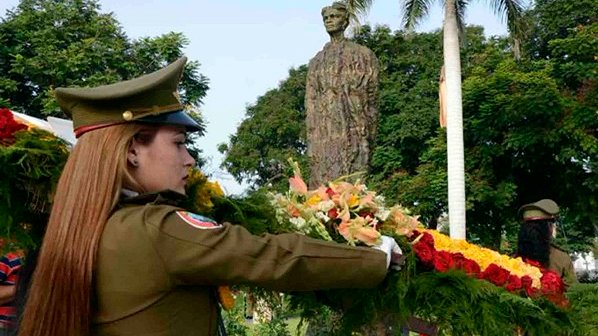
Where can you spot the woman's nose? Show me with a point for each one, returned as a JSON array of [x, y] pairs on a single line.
[[190, 161]]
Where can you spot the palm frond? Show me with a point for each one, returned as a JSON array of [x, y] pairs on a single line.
[[512, 10], [460, 6], [516, 23], [357, 9], [413, 11]]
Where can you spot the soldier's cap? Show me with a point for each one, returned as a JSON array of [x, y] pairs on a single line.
[[542, 209], [152, 98]]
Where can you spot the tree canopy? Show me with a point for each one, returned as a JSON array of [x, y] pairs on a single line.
[[46, 44]]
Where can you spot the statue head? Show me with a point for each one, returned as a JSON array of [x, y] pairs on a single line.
[[335, 17]]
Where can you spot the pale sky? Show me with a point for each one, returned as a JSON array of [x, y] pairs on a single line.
[[247, 47]]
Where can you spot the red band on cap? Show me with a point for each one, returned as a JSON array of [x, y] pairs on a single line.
[[537, 218], [84, 129]]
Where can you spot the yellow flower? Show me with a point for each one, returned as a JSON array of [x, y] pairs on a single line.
[[314, 200], [215, 189], [353, 201], [484, 257]]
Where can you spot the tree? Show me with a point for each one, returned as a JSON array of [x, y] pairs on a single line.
[[46, 44], [454, 13], [273, 131]]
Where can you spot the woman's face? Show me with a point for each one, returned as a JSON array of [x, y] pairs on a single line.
[[334, 20], [162, 163]]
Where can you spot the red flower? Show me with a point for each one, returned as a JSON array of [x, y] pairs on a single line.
[[330, 192], [526, 281], [333, 213], [424, 252], [533, 263], [514, 283], [470, 267], [443, 261], [496, 274], [553, 288], [426, 238], [458, 258], [552, 283], [8, 126], [365, 213]]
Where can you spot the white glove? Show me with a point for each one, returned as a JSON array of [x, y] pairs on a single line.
[[390, 247]]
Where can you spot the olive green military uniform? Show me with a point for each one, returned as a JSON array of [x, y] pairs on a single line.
[[157, 267], [561, 263]]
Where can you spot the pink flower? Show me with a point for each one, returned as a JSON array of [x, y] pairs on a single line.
[[322, 192], [297, 185], [367, 201], [367, 235], [343, 227]]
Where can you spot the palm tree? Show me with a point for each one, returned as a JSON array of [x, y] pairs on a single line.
[[454, 13]]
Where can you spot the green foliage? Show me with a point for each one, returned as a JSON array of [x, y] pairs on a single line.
[[553, 20], [273, 131], [584, 304], [30, 167], [254, 211], [234, 319], [454, 302], [46, 44]]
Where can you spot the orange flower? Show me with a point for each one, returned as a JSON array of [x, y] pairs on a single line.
[[293, 211], [226, 298]]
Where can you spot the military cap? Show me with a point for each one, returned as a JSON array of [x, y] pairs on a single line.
[[542, 209], [151, 98]]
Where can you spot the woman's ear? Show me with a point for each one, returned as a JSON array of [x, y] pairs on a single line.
[[132, 154]]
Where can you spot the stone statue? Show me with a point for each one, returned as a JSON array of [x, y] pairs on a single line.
[[340, 102]]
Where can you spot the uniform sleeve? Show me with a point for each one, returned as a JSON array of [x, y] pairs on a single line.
[[202, 254], [560, 262]]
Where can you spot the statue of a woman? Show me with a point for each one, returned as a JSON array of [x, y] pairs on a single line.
[[340, 101]]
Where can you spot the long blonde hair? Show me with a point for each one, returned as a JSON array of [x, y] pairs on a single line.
[[59, 301]]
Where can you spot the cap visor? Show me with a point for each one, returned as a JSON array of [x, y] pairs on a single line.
[[178, 118]]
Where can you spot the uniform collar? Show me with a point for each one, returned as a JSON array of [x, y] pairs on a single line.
[[169, 197]]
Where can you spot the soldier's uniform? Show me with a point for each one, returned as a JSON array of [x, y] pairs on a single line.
[[158, 265], [559, 260]]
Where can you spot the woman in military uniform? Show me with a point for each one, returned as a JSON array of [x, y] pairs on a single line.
[[121, 258], [535, 239]]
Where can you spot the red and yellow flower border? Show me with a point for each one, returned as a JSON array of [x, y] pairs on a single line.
[[441, 253]]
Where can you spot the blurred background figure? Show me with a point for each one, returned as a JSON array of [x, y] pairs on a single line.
[[535, 239]]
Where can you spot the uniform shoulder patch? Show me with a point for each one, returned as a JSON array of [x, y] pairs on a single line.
[[198, 221]]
